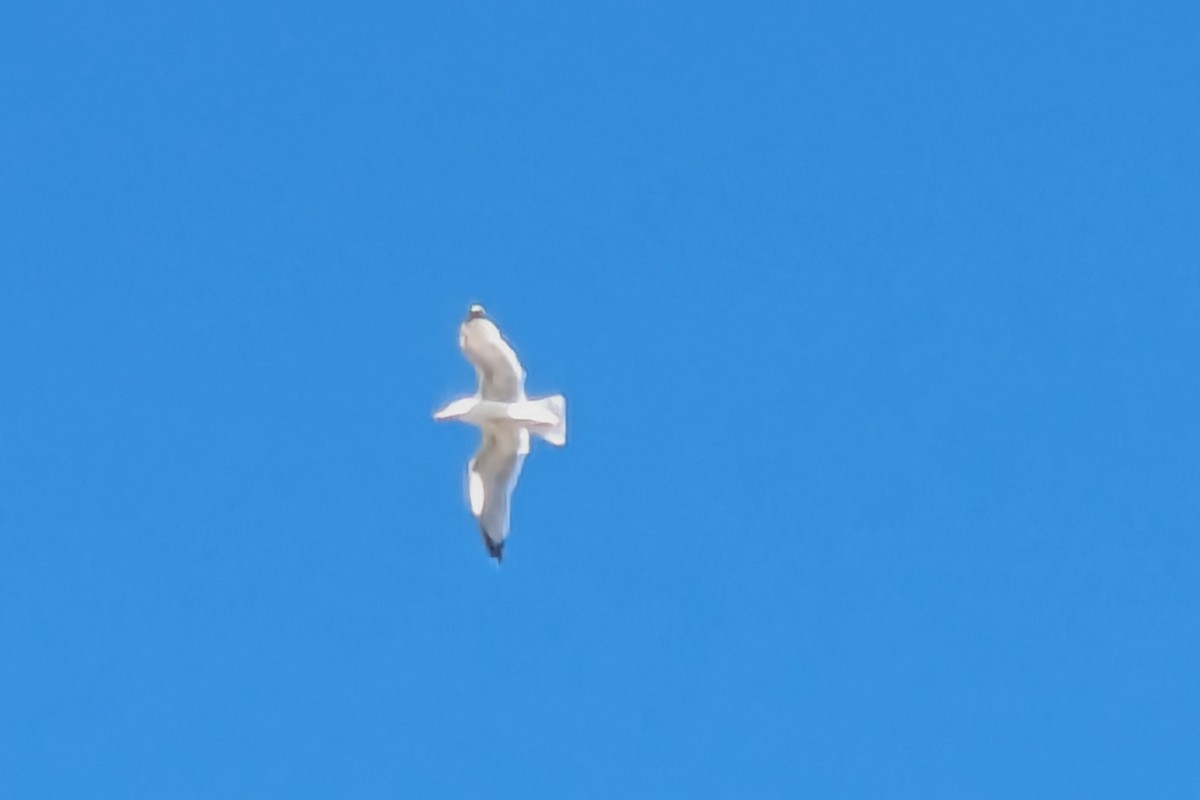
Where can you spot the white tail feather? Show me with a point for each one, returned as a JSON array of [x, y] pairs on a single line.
[[546, 417], [556, 407]]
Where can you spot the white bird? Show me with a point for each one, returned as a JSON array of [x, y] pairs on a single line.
[[505, 418]]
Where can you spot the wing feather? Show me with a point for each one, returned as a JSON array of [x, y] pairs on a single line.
[[501, 376], [491, 477]]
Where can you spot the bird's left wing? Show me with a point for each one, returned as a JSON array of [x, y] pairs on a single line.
[[501, 376]]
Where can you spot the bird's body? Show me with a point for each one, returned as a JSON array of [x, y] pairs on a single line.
[[505, 417]]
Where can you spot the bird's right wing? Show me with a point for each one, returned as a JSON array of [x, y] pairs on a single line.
[[491, 477]]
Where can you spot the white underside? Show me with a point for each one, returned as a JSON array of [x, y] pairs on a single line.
[[544, 417], [476, 492]]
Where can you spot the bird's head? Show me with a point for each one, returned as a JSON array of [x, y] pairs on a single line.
[[475, 312], [456, 409]]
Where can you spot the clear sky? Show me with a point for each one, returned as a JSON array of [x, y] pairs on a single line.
[[879, 329]]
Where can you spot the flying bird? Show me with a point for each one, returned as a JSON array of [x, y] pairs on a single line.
[[505, 417]]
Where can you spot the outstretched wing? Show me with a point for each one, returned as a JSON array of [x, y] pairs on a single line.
[[501, 376], [491, 476]]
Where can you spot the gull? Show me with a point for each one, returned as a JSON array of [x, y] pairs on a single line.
[[505, 417]]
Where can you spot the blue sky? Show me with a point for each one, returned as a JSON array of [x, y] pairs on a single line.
[[879, 332]]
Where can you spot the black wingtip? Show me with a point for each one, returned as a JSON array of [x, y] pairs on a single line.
[[495, 549]]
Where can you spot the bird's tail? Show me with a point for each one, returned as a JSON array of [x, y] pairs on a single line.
[[555, 408], [546, 417]]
